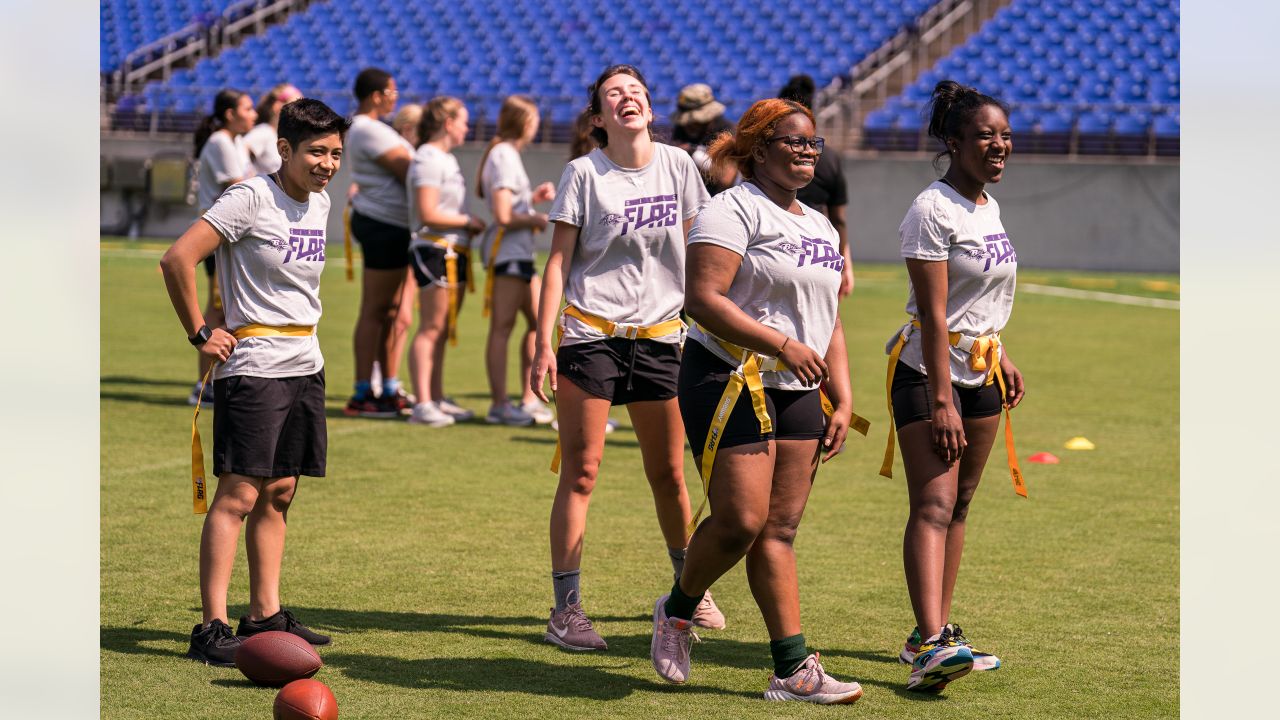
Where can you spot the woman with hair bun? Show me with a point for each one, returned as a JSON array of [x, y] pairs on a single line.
[[260, 142], [962, 270], [621, 214], [762, 278], [222, 162]]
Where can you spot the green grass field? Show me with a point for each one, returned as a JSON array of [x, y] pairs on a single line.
[[424, 552]]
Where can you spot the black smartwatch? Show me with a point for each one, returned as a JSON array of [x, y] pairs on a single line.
[[201, 337]]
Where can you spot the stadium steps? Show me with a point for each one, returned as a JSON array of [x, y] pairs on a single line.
[[895, 65]]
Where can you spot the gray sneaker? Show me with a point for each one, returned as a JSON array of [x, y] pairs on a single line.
[[812, 684], [707, 615], [672, 639], [570, 629]]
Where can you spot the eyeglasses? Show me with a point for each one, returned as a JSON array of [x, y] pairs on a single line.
[[798, 143]]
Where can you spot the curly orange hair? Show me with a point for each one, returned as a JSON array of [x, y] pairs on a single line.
[[754, 127]]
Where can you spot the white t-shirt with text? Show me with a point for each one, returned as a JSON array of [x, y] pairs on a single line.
[[269, 265], [433, 167], [789, 279], [628, 263], [504, 169], [982, 271]]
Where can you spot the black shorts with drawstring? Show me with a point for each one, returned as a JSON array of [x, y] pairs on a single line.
[[384, 246], [269, 427], [621, 371], [429, 266]]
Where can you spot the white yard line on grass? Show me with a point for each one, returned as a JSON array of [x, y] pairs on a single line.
[[1102, 296]]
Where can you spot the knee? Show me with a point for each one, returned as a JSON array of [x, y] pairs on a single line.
[[668, 481], [936, 512], [961, 510], [237, 505], [279, 495], [583, 481], [782, 531], [736, 534]]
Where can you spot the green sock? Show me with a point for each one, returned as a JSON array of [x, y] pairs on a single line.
[[788, 655], [680, 605]]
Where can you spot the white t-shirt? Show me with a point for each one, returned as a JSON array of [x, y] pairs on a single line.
[[628, 264], [789, 279], [222, 159], [260, 143], [433, 167], [982, 270], [381, 196], [269, 266], [504, 169]]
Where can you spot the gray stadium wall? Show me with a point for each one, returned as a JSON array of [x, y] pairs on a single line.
[[1082, 215]]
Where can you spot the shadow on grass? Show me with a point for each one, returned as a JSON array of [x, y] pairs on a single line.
[[239, 682], [529, 677], [135, 380], [133, 641], [173, 401]]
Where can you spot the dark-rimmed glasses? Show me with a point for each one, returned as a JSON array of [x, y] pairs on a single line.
[[799, 143]]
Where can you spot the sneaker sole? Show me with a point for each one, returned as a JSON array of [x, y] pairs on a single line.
[[937, 677], [985, 665], [818, 699], [721, 626], [491, 421], [435, 424], [555, 640]]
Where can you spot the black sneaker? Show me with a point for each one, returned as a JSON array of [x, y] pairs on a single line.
[[213, 644], [399, 403], [282, 620]]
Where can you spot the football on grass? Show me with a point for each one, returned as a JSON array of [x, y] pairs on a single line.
[[305, 700], [276, 658]]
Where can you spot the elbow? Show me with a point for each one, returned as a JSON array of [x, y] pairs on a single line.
[[698, 306]]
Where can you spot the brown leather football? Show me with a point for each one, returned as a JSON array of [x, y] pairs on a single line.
[[275, 658]]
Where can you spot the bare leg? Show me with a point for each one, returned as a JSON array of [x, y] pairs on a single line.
[[771, 562], [433, 302], [660, 431], [508, 295], [232, 502], [264, 541], [395, 326], [932, 489], [529, 308], [981, 434], [740, 489], [378, 293], [582, 420]]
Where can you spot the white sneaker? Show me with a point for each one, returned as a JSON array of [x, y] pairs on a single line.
[[609, 426], [431, 415], [540, 413], [459, 413], [508, 414]]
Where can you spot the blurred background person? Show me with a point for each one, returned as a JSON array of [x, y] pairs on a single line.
[[698, 119], [260, 142]]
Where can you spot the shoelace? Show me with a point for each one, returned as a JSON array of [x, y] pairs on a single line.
[[577, 619], [958, 635], [813, 675], [220, 634], [290, 621], [678, 641]]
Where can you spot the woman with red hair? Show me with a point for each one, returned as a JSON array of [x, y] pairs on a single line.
[[762, 277]]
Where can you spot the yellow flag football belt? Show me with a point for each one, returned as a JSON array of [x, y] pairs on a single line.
[[747, 375], [612, 329], [451, 253], [984, 356], [489, 271], [199, 503]]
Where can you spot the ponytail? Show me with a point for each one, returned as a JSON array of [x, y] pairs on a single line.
[[225, 100]]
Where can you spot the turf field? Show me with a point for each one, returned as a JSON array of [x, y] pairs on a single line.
[[425, 551]]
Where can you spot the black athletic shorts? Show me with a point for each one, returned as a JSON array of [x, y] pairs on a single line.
[[210, 267], [385, 246], [912, 400], [620, 370], [519, 269], [429, 267], [796, 414], [269, 427]]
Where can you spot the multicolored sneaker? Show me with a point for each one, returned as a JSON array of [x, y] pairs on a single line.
[[672, 640], [939, 661], [368, 407], [571, 630], [910, 647], [398, 402], [811, 683], [981, 660], [707, 615]]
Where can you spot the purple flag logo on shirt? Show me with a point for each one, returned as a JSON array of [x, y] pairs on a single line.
[[654, 211], [817, 251], [999, 249], [305, 245]]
